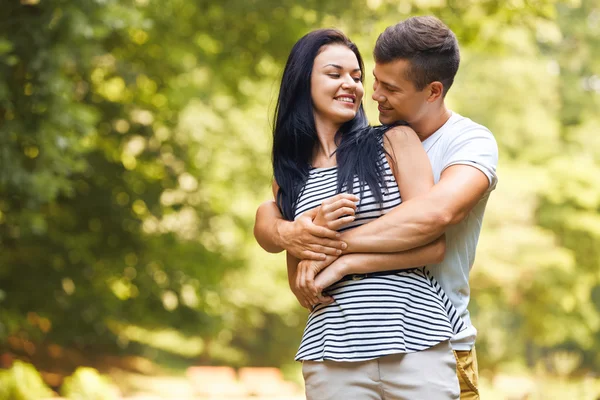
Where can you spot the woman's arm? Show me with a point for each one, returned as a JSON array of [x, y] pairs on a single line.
[[306, 298], [408, 161], [362, 263]]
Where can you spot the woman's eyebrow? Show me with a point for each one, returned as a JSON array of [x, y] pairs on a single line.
[[339, 67]]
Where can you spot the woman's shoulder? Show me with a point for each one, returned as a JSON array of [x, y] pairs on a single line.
[[398, 135]]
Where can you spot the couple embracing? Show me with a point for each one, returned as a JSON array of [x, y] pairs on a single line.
[[380, 224]]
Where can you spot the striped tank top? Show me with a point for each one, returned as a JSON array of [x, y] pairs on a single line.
[[376, 316]]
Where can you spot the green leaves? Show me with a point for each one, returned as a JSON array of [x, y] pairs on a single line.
[[135, 147]]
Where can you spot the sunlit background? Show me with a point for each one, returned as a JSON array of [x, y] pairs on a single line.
[[134, 151]]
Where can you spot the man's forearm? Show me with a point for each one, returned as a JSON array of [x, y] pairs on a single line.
[[268, 219], [420, 220], [412, 224]]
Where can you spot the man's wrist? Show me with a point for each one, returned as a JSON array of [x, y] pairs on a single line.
[[279, 233]]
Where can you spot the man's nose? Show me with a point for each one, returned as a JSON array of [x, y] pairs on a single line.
[[378, 97]]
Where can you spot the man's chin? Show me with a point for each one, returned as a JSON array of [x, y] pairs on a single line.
[[386, 119]]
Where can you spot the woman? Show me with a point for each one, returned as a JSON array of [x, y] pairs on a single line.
[[385, 335]]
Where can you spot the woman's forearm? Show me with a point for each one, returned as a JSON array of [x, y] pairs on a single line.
[[362, 263], [432, 253]]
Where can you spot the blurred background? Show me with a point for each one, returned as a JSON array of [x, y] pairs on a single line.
[[135, 148]]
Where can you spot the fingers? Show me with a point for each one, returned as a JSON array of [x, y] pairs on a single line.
[[307, 288], [323, 232], [303, 300], [343, 203], [325, 299], [336, 244], [312, 213], [311, 255], [321, 247], [310, 301], [341, 196], [341, 212], [338, 223], [336, 210], [331, 213], [330, 251], [305, 282], [325, 247]]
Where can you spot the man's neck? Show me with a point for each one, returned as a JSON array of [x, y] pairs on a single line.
[[431, 122]]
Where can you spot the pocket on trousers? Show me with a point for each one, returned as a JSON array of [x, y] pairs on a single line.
[[466, 371]]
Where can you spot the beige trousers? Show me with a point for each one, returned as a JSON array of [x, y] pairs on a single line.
[[425, 375]]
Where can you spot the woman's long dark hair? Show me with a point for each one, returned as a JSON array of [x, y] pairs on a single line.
[[295, 135]]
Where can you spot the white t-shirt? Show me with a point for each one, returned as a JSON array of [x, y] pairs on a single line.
[[462, 141]]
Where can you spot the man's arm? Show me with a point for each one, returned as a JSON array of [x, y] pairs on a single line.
[[420, 220], [303, 238], [470, 158], [412, 172]]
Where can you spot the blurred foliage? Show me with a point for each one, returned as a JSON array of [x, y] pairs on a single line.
[[134, 150], [22, 382], [88, 384]]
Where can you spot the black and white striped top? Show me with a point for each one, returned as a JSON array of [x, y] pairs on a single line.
[[380, 315]]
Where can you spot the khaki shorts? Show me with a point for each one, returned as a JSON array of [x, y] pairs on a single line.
[[468, 375]]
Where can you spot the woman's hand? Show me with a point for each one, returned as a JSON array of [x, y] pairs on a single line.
[[336, 211], [304, 300], [305, 281], [332, 274]]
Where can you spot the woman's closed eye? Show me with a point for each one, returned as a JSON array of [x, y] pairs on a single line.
[[356, 79]]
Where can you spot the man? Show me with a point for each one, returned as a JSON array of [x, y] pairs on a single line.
[[416, 61]]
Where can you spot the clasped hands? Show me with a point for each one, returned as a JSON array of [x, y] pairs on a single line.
[[313, 238]]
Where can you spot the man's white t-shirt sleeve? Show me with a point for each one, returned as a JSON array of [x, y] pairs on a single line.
[[477, 148]]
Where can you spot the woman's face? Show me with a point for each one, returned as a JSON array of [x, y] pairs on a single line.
[[336, 86]]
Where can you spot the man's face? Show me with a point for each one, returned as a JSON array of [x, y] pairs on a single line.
[[397, 96]]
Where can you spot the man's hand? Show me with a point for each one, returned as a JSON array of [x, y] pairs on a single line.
[[308, 241], [304, 286], [313, 236]]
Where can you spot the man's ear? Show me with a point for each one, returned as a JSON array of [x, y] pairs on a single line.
[[436, 91]]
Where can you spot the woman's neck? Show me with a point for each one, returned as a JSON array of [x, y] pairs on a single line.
[[323, 154]]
